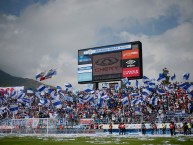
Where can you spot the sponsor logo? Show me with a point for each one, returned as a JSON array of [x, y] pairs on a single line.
[[127, 63], [106, 61], [106, 69], [131, 72], [134, 53], [130, 63]]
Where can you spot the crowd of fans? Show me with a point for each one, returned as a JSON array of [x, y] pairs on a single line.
[[107, 105]]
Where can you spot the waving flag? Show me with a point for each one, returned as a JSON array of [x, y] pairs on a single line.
[[30, 91], [68, 85], [161, 92], [14, 109], [49, 74], [152, 85], [181, 85], [186, 76], [57, 103], [41, 74], [41, 88], [125, 80], [125, 100], [135, 94], [13, 95], [135, 102], [146, 80], [173, 78], [153, 101], [58, 89], [161, 77], [188, 87], [137, 84], [44, 102], [46, 75]]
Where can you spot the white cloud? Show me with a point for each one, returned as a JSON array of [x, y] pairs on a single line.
[[49, 36]]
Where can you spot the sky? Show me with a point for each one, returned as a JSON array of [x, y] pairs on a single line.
[[37, 35]]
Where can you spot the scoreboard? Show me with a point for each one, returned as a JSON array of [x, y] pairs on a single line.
[[110, 63]]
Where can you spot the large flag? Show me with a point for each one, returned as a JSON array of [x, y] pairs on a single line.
[[161, 77], [186, 76], [41, 74], [46, 75]]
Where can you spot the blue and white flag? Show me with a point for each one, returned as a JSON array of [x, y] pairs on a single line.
[[188, 88], [181, 85], [161, 92], [68, 85], [14, 109], [20, 97], [30, 91], [50, 73], [173, 78], [57, 103], [169, 88], [44, 102], [186, 76], [81, 101], [13, 95], [135, 102], [135, 94], [152, 85], [190, 96], [41, 88], [88, 90], [40, 75], [105, 97], [146, 80], [128, 84], [100, 101], [125, 101], [58, 89], [26, 100], [161, 77], [148, 90], [137, 84], [88, 98], [125, 80], [153, 101]]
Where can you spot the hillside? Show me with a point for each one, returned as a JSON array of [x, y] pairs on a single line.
[[7, 80]]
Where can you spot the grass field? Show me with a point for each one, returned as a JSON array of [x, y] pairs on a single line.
[[90, 140]]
